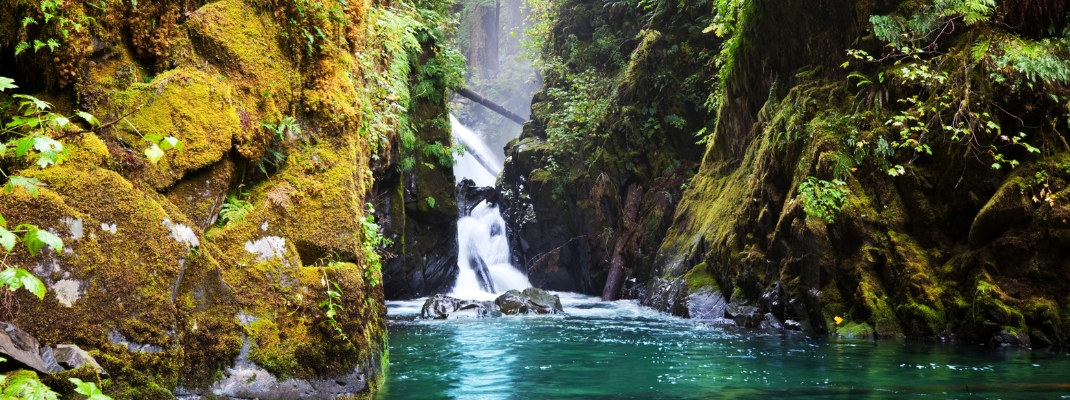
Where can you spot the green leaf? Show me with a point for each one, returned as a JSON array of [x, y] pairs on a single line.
[[88, 118], [7, 239], [171, 142], [88, 389], [153, 138], [60, 121], [30, 184], [154, 153], [3, 222], [30, 282], [50, 149], [36, 239], [7, 83], [40, 104]]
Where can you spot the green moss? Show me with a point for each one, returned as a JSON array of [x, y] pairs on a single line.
[[275, 353], [244, 42], [881, 313], [193, 106], [855, 330], [737, 294], [989, 304], [699, 278]]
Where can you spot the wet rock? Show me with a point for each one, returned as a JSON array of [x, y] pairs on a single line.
[[706, 304], [70, 356], [119, 339], [20, 349], [530, 301], [1004, 338], [771, 322], [669, 296], [425, 238], [469, 196], [446, 307], [745, 315], [793, 325]]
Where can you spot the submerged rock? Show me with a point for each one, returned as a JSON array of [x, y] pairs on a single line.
[[446, 307], [530, 301]]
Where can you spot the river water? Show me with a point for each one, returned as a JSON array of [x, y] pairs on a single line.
[[622, 350], [602, 350]]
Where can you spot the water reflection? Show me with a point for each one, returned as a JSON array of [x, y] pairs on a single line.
[[625, 351]]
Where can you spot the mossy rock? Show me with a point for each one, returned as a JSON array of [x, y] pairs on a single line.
[[193, 106], [855, 330], [117, 278]]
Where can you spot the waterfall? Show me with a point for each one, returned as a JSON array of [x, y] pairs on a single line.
[[483, 250], [479, 163]]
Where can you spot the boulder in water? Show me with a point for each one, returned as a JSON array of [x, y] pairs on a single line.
[[443, 307], [530, 301]]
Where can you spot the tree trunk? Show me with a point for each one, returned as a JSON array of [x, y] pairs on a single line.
[[616, 264]]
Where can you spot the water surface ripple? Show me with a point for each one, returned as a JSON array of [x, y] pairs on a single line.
[[621, 350]]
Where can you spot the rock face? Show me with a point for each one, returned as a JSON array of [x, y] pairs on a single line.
[[948, 247], [530, 301], [281, 135]]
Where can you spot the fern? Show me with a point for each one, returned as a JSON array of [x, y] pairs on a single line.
[[972, 11], [234, 210], [822, 199], [1038, 61]]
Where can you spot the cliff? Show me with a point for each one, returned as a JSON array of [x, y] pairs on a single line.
[[870, 168], [246, 261]]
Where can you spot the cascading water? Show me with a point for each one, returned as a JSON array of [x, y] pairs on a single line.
[[483, 250], [479, 163]]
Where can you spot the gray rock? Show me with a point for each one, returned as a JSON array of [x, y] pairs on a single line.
[[542, 302], [745, 315], [20, 349], [793, 325], [530, 301], [770, 322], [118, 338], [706, 304], [70, 356], [48, 357], [443, 307]]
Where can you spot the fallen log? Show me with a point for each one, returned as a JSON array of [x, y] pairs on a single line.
[[476, 97]]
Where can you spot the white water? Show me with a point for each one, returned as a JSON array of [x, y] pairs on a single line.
[[469, 165], [481, 236]]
